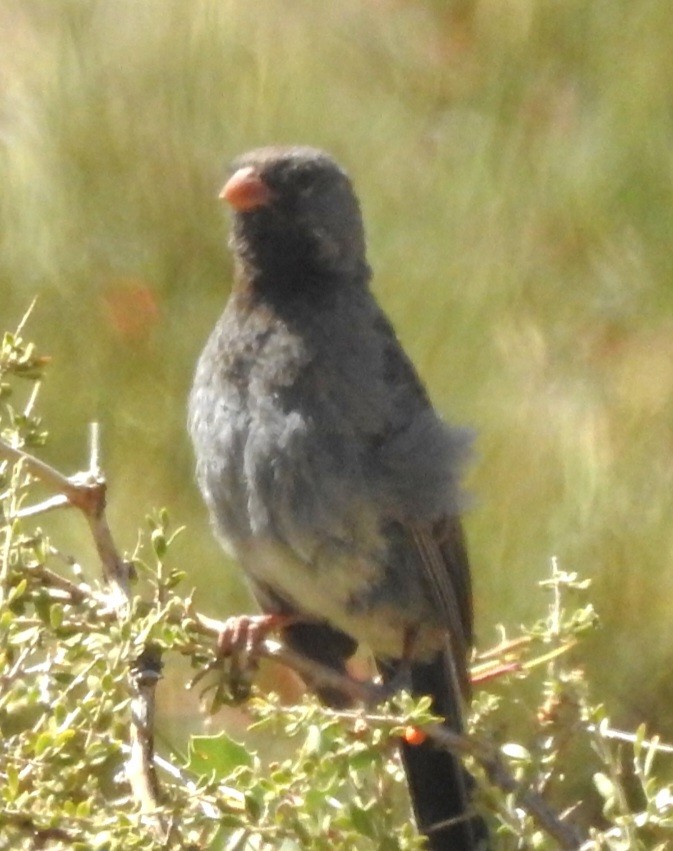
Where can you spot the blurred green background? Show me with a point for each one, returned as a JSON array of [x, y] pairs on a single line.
[[515, 163]]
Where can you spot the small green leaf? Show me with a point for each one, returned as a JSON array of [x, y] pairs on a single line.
[[63, 737], [515, 751], [604, 786], [175, 578], [159, 542], [362, 759], [362, 820], [25, 636], [56, 615], [43, 742], [12, 781], [83, 809], [638, 740], [102, 840], [649, 757], [252, 805], [17, 591], [313, 740], [219, 754], [238, 840]]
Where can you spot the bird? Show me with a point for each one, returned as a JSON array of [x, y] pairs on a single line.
[[327, 472]]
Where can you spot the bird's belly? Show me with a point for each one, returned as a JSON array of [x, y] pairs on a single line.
[[351, 596], [290, 502]]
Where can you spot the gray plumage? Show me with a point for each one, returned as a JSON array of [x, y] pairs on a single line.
[[326, 470], [320, 443]]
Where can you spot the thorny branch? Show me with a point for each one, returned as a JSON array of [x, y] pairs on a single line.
[[87, 492], [368, 693], [40, 835]]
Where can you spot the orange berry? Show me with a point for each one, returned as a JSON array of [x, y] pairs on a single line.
[[414, 736]]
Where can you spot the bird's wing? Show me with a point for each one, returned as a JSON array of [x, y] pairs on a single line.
[[419, 460], [443, 560]]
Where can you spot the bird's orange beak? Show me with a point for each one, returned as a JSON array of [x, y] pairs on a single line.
[[245, 190]]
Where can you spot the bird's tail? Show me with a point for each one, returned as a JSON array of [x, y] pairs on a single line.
[[439, 786]]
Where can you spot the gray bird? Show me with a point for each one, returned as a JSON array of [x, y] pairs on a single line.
[[326, 470]]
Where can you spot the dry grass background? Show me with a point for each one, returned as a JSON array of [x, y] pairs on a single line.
[[515, 164]]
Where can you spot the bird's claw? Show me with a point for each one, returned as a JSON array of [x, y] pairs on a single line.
[[239, 643], [242, 635]]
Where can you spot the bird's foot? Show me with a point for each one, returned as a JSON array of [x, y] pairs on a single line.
[[236, 658], [239, 642], [242, 635]]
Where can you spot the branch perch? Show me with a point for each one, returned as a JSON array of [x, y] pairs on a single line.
[[87, 492], [487, 756]]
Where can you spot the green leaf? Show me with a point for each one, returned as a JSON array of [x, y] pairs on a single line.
[[362, 820], [237, 840], [44, 741], [56, 615], [638, 740], [17, 591], [253, 806], [362, 759], [12, 782], [313, 740], [219, 754], [604, 786], [649, 757], [63, 737], [175, 577], [83, 809], [25, 636], [159, 542], [516, 752]]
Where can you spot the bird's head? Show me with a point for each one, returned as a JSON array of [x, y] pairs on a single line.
[[295, 214]]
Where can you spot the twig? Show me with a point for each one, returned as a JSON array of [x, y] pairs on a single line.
[[629, 738], [87, 491], [44, 472], [503, 649], [366, 692], [486, 756], [58, 501], [26, 316], [236, 799], [77, 593], [145, 675], [40, 835]]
